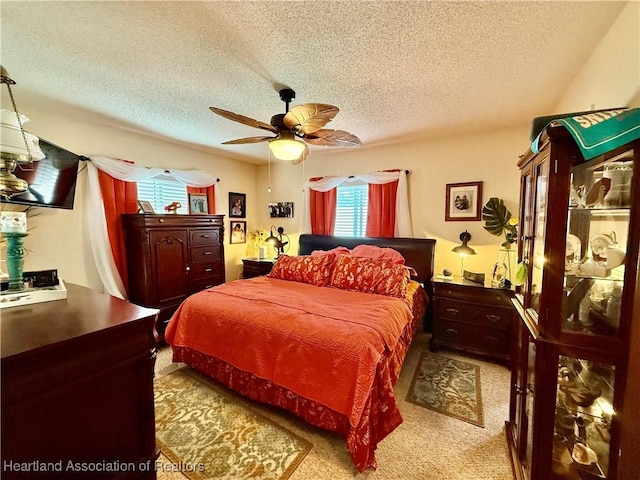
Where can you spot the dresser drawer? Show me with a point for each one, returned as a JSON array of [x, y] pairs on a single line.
[[487, 296], [209, 236], [198, 284], [199, 270], [478, 314], [209, 254], [490, 340]]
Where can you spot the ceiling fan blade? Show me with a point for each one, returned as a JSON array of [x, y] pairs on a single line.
[[303, 156], [332, 138], [236, 117], [248, 140], [309, 117]]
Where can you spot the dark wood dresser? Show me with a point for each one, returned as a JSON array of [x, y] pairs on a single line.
[[170, 257], [254, 267], [473, 317], [77, 388]]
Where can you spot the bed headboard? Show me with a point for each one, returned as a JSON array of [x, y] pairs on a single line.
[[418, 252]]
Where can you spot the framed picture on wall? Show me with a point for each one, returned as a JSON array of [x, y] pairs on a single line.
[[281, 209], [463, 202], [198, 203], [237, 205], [238, 232]]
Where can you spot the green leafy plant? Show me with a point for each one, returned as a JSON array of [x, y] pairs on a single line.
[[497, 221]]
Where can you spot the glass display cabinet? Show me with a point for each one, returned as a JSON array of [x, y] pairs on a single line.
[[580, 223]]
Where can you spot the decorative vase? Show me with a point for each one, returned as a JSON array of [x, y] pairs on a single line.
[[15, 259], [503, 268]]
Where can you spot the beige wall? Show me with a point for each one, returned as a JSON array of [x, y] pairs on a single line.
[[56, 237], [488, 157], [609, 78]]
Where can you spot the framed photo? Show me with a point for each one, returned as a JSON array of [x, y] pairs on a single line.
[[237, 205], [464, 202], [281, 210], [238, 232], [198, 203], [145, 206]]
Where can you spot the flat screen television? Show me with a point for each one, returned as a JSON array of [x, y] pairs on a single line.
[[52, 180]]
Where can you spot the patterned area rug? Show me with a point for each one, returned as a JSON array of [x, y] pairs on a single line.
[[208, 434], [448, 386]]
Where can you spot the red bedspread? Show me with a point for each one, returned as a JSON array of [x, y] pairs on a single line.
[[329, 347]]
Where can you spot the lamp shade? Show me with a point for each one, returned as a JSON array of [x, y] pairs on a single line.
[[13, 140], [286, 147], [464, 250]]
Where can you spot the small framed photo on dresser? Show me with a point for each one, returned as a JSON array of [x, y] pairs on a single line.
[[198, 203], [463, 202], [145, 207]]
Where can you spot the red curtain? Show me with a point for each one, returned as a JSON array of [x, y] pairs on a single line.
[[322, 210], [211, 202], [381, 213], [118, 197]]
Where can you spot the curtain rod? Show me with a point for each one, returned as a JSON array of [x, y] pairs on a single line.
[[406, 171]]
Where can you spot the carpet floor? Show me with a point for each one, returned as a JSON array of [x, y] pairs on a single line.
[[428, 445]]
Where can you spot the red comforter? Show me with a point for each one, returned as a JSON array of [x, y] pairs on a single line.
[[330, 348]]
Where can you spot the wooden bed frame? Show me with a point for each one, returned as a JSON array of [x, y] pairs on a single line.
[[418, 253]]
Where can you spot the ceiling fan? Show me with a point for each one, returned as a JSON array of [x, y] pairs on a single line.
[[302, 122]]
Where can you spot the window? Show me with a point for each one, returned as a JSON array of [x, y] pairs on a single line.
[[351, 211], [161, 191]]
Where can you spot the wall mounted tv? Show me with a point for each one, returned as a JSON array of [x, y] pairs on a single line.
[[52, 180]]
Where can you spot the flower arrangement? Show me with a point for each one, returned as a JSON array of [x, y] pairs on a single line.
[[498, 221], [258, 236]]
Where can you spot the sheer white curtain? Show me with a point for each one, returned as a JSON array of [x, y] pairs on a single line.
[[95, 222], [403, 217]]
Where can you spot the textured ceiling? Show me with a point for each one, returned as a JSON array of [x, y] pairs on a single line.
[[397, 70]]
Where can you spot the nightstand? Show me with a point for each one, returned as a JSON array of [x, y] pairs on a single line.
[[254, 267], [473, 317]]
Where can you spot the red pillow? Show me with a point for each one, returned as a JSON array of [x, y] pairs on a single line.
[[369, 276], [378, 253], [304, 268], [339, 250]]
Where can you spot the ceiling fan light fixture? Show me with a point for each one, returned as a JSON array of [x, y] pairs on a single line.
[[286, 147]]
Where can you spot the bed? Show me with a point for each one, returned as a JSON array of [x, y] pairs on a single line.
[[314, 339]]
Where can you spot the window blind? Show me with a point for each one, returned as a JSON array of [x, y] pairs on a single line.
[[160, 192], [351, 211]]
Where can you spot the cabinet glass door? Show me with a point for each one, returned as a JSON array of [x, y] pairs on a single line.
[[596, 246], [583, 413], [537, 260]]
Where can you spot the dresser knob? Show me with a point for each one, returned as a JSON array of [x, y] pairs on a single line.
[[161, 220], [492, 339], [207, 253], [453, 311], [493, 318], [451, 331]]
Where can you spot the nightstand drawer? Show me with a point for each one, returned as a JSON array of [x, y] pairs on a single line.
[[482, 338], [254, 268], [487, 296], [479, 314]]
